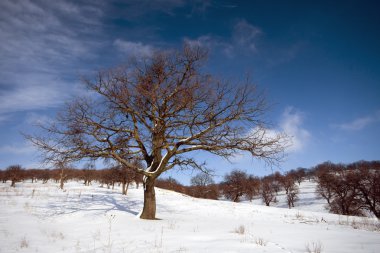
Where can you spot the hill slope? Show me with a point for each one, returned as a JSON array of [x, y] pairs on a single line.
[[42, 218]]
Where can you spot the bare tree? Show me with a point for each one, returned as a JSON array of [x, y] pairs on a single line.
[[127, 175], [202, 179], [268, 190], [87, 173], [253, 187], [324, 176], [235, 185], [292, 195], [300, 174], [203, 186], [160, 109], [15, 174], [367, 181], [288, 181], [346, 199], [339, 186], [44, 175], [63, 176], [3, 176]]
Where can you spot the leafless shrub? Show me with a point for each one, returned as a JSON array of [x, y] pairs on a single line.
[[24, 243], [240, 230], [314, 247], [300, 216], [363, 223], [260, 241], [57, 235]]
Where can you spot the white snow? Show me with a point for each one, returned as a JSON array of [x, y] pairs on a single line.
[[42, 218]]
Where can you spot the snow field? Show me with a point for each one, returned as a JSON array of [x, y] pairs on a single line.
[[42, 218]]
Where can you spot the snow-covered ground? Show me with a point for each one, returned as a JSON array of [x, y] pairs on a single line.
[[42, 218]]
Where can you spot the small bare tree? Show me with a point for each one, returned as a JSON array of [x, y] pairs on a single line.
[[62, 167], [87, 173], [235, 185], [14, 173], [268, 191], [366, 178], [292, 195], [160, 109], [127, 175], [202, 179], [3, 176], [291, 189], [253, 187], [325, 179]]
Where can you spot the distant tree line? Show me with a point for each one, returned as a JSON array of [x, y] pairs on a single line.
[[238, 185], [119, 175], [349, 189]]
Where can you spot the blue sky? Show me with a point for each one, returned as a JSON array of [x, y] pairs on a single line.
[[317, 62]]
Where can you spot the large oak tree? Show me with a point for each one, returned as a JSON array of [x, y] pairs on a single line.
[[160, 109]]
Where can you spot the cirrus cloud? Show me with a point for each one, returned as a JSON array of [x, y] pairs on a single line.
[[131, 48], [43, 44], [359, 123], [243, 38]]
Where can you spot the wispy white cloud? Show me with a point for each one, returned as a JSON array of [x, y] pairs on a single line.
[[359, 123], [292, 124], [133, 48], [33, 118], [20, 149], [38, 92], [245, 35], [243, 38], [42, 44], [290, 131], [137, 9], [3, 118], [200, 7], [205, 41], [284, 54]]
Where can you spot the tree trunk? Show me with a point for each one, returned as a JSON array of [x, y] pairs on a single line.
[[149, 210], [62, 179], [124, 188], [61, 184]]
